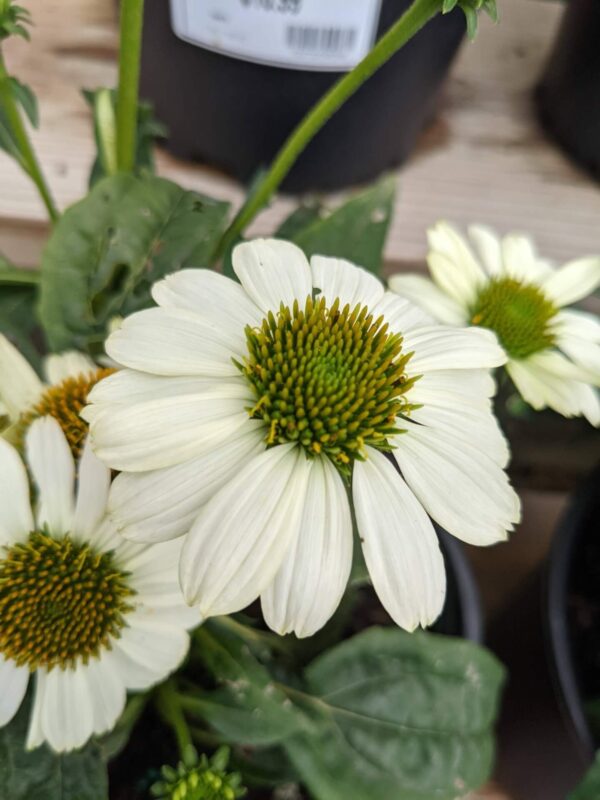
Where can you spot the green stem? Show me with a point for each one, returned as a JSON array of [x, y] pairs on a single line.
[[416, 16], [132, 14], [28, 158], [169, 707], [252, 636]]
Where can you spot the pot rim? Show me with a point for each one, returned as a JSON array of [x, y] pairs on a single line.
[[569, 532]]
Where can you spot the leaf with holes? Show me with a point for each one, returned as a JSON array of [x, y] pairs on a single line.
[[397, 715], [356, 230], [106, 251]]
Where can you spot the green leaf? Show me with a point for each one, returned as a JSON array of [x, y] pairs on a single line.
[[356, 230], [298, 220], [18, 318], [248, 707], [41, 774], [106, 251], [28, 101], [397, 715], [589, 788]]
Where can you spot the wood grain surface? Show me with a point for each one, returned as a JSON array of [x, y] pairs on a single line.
[[483, 159]]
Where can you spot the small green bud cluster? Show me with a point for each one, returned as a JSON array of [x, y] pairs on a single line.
[[471, 8], [199, 779]]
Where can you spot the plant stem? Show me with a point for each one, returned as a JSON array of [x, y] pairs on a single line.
[[414, 18], [169, 708], [28, 160], [132, 14]]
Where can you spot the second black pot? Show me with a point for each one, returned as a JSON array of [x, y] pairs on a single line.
[[572, 605]]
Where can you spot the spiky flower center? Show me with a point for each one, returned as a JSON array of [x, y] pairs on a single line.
[[64, 402], [332, 379], [60, 601], [518, 313]]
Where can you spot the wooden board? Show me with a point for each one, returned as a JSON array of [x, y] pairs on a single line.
[[484, 158]]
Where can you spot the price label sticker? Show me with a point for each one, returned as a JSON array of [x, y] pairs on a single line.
[[323, 35]]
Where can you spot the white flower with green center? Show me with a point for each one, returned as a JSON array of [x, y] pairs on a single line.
[[24, 397], [503, 285], [247, 414], [89, 614]]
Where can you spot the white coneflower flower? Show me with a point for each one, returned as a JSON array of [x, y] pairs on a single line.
[[553, 353], [89, 614], [248, 412], [70, 376]]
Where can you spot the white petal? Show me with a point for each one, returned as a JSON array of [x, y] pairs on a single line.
[[212, 296], [238, 542], [127, 387], [401, 315], [426, 295], [312, 578], [35, 734], [13, 685], [461, 487], [273, 272], [576, 323], [479, 425], [171, 341], [16, 519], [67, 365], [465, 387], [399, 543], [92, 494], [585, 354], [67, 714], [49, 457], [162, 504], [550, 382], [442, 348], [148, 651], [573, 281], [521, 262], [167, 431], [106, 691], [453, 265], [488, 247], [337, 278], [20, 387]]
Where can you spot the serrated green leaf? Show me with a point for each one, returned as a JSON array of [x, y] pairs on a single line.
[[398, 715], [106, 251], [356, 230], [589, 788], [41, 774]]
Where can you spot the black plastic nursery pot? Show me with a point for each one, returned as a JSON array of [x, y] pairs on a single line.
[[568, 96], [572, 613], [235, 113]]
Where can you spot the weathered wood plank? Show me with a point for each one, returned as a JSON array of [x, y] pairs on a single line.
[[484, 158]]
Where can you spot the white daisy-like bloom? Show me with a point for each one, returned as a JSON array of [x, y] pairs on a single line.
[[247, 414], [83, 612], [24, 397], [503, 285]]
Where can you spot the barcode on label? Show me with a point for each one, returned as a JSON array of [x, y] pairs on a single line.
[[320, 40]]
